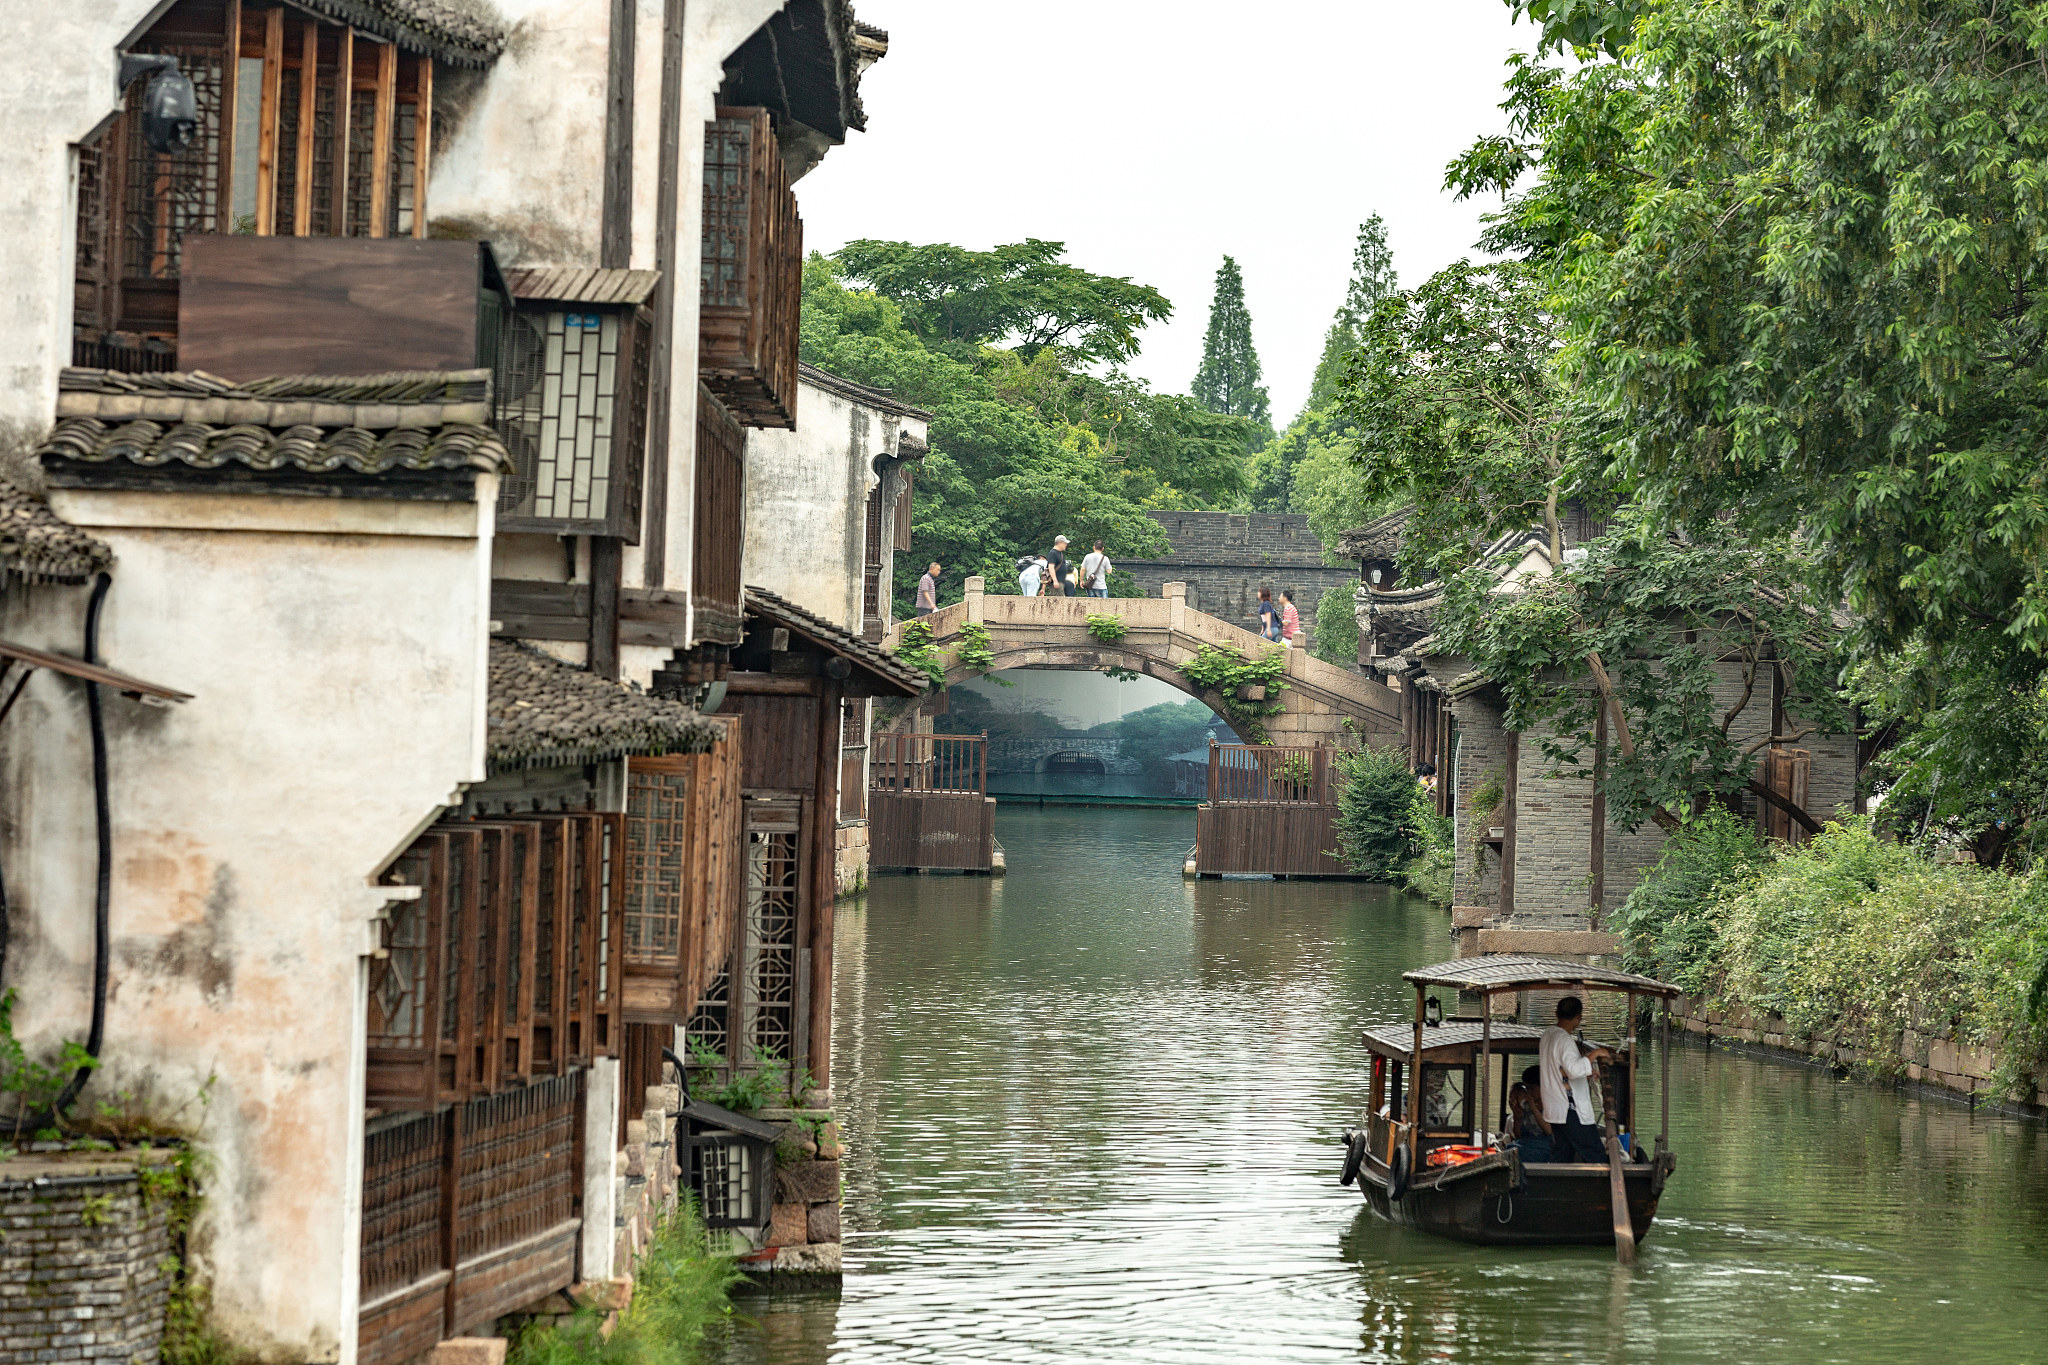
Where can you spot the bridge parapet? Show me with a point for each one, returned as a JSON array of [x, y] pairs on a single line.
[[1161, 634]]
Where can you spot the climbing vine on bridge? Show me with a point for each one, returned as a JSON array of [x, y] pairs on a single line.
[[1227, 672], [1107, 628], [917, 650], [977, 652]]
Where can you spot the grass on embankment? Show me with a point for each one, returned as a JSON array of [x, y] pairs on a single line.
[[681, 1293]]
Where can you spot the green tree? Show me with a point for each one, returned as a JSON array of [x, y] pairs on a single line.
[[1228, 380], [1372, 280], [1021, 296], [1148, 736], [1795, 256]]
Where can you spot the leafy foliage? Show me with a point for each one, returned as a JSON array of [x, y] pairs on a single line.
[[1021, 295], [34, 1085], [1151, 734], [1373, 280], [1378, 806], [681, 1292], [1854, 939], [1107, 628], [1222, 670], [915, 647], [977, 652], [1228, 380], [1336, 637]]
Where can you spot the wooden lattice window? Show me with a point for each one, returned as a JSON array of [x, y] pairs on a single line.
[[752, 271], [681, 878], [902, 524], [720, 525], [768, 959], [305, 128], [572, 412]]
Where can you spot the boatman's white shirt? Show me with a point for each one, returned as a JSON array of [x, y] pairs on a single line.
[[1559, 1056]]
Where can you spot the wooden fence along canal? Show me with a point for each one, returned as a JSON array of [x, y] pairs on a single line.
[[1272, 808], [928, 804]]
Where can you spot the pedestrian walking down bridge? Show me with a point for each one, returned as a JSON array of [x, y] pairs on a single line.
[[1160, 634]]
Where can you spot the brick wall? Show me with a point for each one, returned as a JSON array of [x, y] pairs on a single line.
[[1225, 558], [81, 1266], [1553, 841], [1482, 750]]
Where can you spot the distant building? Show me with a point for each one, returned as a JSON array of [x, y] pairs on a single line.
[[1226, 557]]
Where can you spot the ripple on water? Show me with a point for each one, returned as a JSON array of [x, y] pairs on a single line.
[[1092, 1109]]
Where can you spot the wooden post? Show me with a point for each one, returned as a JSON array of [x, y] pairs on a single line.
[[1597, 856], [606, 556], [1481, 1104], [230, 95], [422, 144], [309, 88], [266, 133], [1506, 906], [451, 1211], [824, 811], [1617, 1188], [615, 232], [380, 139], [1663, 1072], [344, 96]]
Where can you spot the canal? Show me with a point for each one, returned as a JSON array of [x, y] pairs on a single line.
[[1093, 1113]]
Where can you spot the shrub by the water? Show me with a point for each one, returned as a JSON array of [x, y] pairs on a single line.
[[1852, 938], [1385, 828], [681, 1292]]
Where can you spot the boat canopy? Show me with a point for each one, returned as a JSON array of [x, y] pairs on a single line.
[[1398, 1040], [1518, 971]]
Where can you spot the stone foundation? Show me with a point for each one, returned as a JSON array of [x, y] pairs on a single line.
[[850, 858], [803, 1238], [1932, 1058], [83, 1262]]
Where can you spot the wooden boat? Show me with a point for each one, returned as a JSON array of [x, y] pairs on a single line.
[[1429, 1155]]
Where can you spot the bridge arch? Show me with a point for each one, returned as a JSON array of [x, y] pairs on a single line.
[[1321, 703], [1077, 762]]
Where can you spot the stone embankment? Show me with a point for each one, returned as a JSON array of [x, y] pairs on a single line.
[[84, 1261]]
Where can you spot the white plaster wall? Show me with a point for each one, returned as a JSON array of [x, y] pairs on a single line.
[[59, 88], [336, 653], [525, 168], [806, 501]]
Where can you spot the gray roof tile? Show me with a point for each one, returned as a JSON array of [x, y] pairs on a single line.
[[543, 713]]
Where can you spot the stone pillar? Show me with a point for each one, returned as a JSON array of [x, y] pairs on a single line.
[[975, 585], [1176, 595], [600, 1149]]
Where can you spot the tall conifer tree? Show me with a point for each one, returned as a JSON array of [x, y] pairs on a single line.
[[1228, 381], [1372, 279]]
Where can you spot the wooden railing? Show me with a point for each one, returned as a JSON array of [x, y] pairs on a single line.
[[951, 764], [467, 1213], [1270, 774]]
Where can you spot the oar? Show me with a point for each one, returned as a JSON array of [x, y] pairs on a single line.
[[1617, 1189]]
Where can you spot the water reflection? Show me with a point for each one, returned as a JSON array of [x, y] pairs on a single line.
[[1092, 1107]]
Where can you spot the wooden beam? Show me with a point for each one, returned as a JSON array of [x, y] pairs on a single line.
[[1598, 855], [615, 241], [380, 144], [266, 131], [309, 87], [422, 144], [1506, 900], [605, 561], [344, 95]]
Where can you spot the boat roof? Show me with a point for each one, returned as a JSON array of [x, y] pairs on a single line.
[[1511, 971], [1400, 1038]]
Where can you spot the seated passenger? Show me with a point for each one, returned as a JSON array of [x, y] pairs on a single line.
[[1527, 1128]]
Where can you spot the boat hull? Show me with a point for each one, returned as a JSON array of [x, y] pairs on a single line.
[[1556, 1204]]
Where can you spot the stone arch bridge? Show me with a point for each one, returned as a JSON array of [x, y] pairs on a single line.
[[1041, 753], [1161, 633]]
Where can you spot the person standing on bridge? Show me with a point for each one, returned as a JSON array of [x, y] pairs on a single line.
[[1062, 577], [1290, 619], [1030, 574], [1269, 615], [928, 590], [1095, 572]]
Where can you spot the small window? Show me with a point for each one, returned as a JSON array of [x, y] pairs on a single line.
[[1446, 1096]]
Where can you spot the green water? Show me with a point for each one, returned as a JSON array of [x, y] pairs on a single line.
[[1093, 1111]]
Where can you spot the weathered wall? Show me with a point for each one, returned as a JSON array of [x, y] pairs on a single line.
[[82, 1264], [48, 103], [1226, 557], [336, 653], [807, 494], [1481, 753]]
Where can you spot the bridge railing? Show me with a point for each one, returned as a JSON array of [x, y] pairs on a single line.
[[1270, 774], [956, 764]]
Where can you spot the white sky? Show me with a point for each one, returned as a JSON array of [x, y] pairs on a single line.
[[1154, 138]]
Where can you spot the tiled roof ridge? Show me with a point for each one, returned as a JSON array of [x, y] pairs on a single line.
[[461, 32], [39, 546], [873, 397], [870, 655], [391, 386], [545, 713], [459, 445], [587, 284]]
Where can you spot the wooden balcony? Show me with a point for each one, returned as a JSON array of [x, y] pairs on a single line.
[[752, 271]]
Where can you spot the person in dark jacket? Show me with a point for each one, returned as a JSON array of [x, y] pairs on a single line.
[[1062, 576]]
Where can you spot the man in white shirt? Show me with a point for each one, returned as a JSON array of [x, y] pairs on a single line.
[[1028, 580], [1567, 1105], [1095, 572]]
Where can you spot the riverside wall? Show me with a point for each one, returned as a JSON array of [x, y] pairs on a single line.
[[84, 1263]]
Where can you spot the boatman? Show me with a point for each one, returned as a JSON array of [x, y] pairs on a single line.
[[1567, 1105]]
